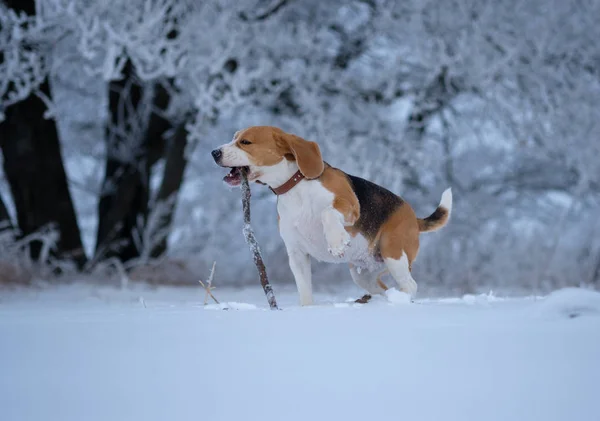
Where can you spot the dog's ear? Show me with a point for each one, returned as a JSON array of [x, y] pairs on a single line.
[[307, 153]]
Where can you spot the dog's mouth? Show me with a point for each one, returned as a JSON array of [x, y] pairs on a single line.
[[234, 178]]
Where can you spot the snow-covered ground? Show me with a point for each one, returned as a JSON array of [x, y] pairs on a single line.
[[89, 353]]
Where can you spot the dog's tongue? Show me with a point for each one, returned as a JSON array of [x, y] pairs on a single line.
[[234, 178]]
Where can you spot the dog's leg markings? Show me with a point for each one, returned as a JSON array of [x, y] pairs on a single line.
[[300, 266], [336, 235], [400, 271]]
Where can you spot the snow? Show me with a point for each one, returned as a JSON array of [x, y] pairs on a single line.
[[92, 353], [571, 302], [230, 306], [397, 297]]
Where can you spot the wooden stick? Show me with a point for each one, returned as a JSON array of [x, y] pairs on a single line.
[[253, 244]]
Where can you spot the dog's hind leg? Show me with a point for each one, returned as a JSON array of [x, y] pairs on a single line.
[[400, 271], [368, 280], [399, 246]]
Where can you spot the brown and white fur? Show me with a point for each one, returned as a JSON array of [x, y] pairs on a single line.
[[330, 215]]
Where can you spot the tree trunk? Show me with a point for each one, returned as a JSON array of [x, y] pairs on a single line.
[[123, 205], [5, 222], [27, 6], [171, 183], [134, 144], [34, 168], [123, 208], [157, 125]]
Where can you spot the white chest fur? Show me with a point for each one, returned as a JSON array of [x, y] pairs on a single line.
[[301, 226]]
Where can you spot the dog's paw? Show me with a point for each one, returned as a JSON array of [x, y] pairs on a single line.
[[364, 299], [338, 248]]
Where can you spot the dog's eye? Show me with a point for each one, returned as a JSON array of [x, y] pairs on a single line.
[[245, 142]]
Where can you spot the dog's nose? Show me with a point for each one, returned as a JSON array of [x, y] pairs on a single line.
[[217, 154]]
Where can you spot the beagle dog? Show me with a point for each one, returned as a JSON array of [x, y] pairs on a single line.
[[328, 214]]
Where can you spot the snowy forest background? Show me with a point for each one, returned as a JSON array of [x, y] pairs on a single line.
[[109, 110]]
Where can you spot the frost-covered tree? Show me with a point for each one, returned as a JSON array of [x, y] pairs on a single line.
[[496, 99], [129, 45], [28, 138], [418, 96]]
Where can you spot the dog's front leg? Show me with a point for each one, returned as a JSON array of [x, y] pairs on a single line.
[[336, 235], [300, 266]]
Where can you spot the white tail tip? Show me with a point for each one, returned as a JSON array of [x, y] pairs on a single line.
[[446, 201]]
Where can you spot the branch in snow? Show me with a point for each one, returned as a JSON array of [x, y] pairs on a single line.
[[208, 287]]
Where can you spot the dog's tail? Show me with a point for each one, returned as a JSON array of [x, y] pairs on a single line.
[[440, 216]]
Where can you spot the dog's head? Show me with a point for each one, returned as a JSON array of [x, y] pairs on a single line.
[[260, 149]]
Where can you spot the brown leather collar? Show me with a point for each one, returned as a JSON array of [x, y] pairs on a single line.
[[288, 185]]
